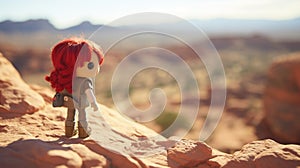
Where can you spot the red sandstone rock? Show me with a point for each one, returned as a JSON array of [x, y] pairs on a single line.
[[37, 153], [261, 154], [15, 95], [46, 93], [187, 153], [282, 99]]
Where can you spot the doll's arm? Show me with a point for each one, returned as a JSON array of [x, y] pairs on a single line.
[[92, 99]]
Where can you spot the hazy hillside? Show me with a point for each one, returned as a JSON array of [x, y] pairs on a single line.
[[275, 29], [29, 26], [27, 44]]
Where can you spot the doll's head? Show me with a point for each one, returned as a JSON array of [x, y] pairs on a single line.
[[83, 57]]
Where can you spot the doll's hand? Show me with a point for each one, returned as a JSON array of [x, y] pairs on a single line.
[[95, 106]]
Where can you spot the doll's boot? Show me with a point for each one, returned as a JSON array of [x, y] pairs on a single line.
[[83, 129], [69, 128]]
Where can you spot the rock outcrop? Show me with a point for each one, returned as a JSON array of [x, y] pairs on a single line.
[[186, 153], [37, 153], [37, 140], [15, 95], [282, 99], [260, 154]]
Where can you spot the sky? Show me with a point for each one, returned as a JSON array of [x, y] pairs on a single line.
[[65, 13]]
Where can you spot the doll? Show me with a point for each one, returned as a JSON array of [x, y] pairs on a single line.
[[76, 62]]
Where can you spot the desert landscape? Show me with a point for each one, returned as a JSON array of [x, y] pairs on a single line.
[[258, 128]]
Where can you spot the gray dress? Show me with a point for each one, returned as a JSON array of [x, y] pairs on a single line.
[[80, 85]]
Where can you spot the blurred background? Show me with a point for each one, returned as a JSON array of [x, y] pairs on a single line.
[[258, 42]]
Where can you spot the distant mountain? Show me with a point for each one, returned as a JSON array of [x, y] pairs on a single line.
[[278, 29], [43, 25], [86, 26], [275, 29], [28, 26]]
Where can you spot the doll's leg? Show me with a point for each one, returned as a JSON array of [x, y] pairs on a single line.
[[70, 120], [70, 123], [83, 128]]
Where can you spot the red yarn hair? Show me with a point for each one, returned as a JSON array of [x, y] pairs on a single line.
[[67, 55]]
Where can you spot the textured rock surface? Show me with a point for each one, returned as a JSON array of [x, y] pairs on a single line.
[[37, 140], [15, 95], [262, 154], [36, 153], [282, 99], [187, 153]]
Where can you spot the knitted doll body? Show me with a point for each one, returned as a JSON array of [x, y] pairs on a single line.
[[76, 62]]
